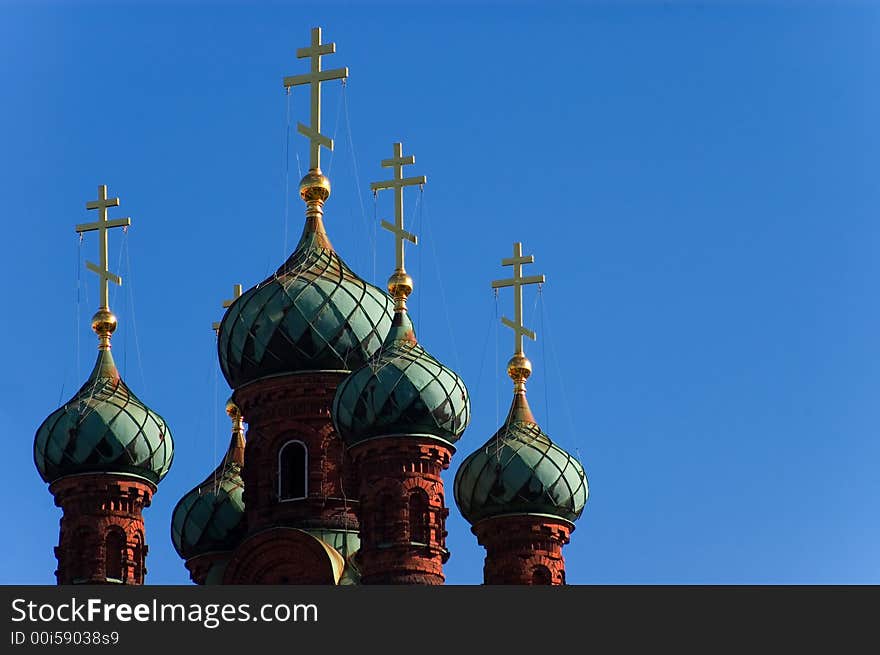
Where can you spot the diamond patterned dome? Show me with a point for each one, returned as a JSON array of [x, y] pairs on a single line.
[[104, 428], [313, 314], [209, 517], [401, 390], [520, 471]]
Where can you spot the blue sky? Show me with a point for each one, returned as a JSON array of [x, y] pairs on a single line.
[[698, 184]]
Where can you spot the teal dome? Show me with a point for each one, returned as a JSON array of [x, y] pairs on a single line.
[[313, 314], [520, 471], [401, 390], [209, 517], [104, 428]]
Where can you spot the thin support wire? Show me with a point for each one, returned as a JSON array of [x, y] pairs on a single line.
[[78, 297], [371, 233], [418, 223], [137, 344], [561, 387], [540, 297], [113, 295], [375, 221], [214, 414], [335, 130], [489, 325], [77, 249], [287, 175], [427, 223], [497, 401]]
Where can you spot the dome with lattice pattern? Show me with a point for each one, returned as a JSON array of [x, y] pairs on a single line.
[[312, 314], [401, 390], [104, 428], [520, 471]]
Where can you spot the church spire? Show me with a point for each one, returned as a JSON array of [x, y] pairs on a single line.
[[520, 492], [314, 78], [104, 322], [103, 452], [519, 368], [400, 414], [400, 285], [314, 188]]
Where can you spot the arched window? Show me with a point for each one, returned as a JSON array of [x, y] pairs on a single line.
[[541, 576], [114, 552], [293, 460], [138, 557], [418, 516]]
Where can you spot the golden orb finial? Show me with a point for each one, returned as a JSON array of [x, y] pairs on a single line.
[[314, 187], [104, 324], [234, 413], [519, 368], [400, 286], [232, 410]]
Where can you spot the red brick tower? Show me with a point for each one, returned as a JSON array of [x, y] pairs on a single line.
[[284, 346], [399, 415], [103, 453], [520, 491]]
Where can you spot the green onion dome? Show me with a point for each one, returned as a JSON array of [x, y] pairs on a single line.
[[209, 517], [312, 314], [104, 428], [520, 471], [401, 390]]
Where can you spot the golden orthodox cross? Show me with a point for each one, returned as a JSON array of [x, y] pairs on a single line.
[[397, 162], [102, 225], [313, 132], [236, 293], [517, 282]]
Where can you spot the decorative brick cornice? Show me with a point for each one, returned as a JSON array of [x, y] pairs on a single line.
[[398, 476], [102, 538], [523, 549]]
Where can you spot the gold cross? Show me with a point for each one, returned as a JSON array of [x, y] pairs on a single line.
[[313, 132], [102, 225], [236, 294], [397, 162], [517, 282]]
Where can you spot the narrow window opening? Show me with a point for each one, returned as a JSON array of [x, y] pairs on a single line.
[[418, 517], [292, 471], [114, 548]]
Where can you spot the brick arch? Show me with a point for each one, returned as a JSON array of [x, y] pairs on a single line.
[[283, 556], [418, 515], [115, 547]]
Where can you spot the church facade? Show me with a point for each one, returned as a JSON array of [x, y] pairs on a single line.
[[350, 424]]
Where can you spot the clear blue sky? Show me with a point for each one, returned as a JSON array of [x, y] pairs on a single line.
[[698, 184]]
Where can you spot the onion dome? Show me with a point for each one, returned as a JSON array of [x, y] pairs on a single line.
[[312, 314], [401, 390], [104, 428], [209, 517], [520, 470]]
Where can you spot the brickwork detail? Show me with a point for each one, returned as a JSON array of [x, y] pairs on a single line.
[[523, 550], [102, 539], [287, 408], [402, 510], [280, 556]]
